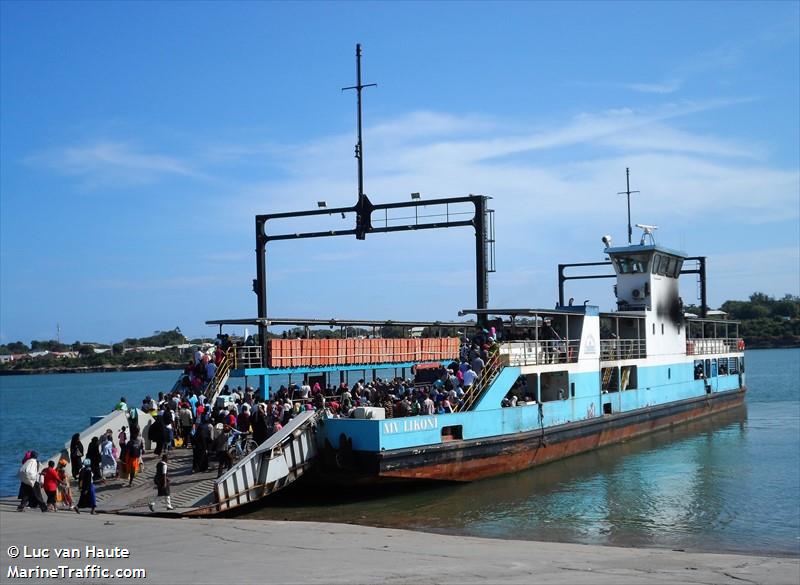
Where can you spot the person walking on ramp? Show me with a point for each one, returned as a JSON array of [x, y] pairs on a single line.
[[162, 484]]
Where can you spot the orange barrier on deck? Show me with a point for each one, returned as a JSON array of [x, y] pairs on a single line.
[[286, 353]]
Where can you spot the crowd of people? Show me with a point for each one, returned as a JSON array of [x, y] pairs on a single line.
[[185, 418]]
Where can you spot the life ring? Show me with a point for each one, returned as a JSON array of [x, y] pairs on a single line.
[[741, 345]]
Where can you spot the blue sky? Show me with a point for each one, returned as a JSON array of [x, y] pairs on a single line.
[[137, 141]]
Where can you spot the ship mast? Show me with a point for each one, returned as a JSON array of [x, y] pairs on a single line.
[[362, 198], [628, 192]]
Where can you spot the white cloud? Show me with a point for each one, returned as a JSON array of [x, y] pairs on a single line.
[[665, 87], [697, 184], [110, 163]]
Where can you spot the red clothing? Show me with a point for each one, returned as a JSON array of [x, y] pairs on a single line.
[[50, 479], [243, 420]]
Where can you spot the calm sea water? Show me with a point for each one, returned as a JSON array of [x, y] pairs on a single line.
[[730, 483]]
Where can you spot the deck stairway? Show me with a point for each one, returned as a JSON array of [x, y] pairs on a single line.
[[220, 378], [482, 383], [275, 464]]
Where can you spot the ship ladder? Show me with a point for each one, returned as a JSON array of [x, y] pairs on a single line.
[[607, 373], [275, 464], [220, 378], [488, 374]]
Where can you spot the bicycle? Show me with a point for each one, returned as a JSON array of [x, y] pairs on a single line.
[[240, 445]]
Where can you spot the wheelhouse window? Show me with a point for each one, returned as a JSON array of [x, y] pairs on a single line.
[[656, 263], [664, 265], [631, 264]]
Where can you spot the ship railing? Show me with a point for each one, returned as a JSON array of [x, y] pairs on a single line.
[[220, 376], [714, 346], [622, 349], [332, 352], [533, 352], [247, 356], [489, 372]]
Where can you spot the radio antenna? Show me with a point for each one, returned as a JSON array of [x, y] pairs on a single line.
[[359, 146], [628, 192]]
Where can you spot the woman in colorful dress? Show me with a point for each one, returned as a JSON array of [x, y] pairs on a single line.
[[63, 484]]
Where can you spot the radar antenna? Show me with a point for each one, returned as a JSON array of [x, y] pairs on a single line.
[[628, 192], [647, 231]]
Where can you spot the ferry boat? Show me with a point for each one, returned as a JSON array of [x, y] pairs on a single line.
[[580, 379], [554, 382]]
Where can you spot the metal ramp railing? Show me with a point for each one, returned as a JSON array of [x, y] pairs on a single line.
[[276, 463], [488, 374], [220, 377]]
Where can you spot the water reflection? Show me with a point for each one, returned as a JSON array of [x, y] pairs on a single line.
[[649, 491]]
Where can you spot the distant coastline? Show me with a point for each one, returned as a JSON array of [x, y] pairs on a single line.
[[92, 369], [156, 366]]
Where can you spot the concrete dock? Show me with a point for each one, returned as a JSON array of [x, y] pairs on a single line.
[[206, 550], [190, 491]]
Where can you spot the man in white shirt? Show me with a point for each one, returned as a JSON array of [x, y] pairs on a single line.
[[29, 479], [211, 369], [469, 377]]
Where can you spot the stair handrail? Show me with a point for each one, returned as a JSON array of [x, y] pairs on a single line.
[[223, 368], [488, 374]]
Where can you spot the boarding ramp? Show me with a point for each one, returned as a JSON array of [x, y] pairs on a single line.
[[276, 463], [115, 420]]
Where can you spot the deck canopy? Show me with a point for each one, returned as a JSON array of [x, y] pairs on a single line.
[[281, 321]]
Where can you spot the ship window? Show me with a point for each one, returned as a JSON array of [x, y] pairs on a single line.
[[668, 266], [628, 380], [723, 366], [452, 433], [531, 387], [733, 365], [630, 265], [654, 328], [656, 263], [669, 373], [662, 329], [698, 370], [678, 266], [610, 380], [554, 385], [572, 389]]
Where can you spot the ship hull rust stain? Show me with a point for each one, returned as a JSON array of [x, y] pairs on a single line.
[[472, 460]]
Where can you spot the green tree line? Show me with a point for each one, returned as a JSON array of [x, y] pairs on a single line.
[[767, 321]]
